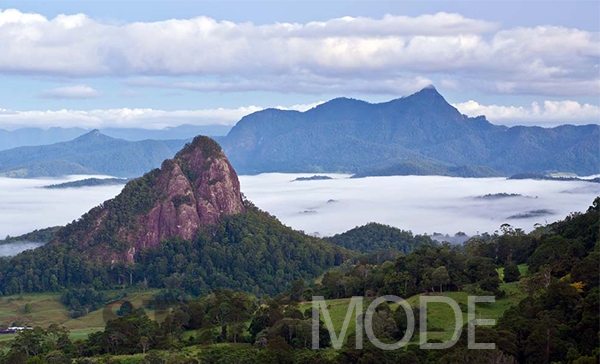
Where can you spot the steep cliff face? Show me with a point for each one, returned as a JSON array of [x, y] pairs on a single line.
[[197, 187], [189, 192]]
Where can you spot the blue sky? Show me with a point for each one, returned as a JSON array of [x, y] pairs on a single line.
[[128, 64]]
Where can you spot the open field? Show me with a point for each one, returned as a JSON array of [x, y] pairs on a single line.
[[441, 319], [46, 309]]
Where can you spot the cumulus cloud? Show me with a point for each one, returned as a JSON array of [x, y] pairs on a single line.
[[363, 53], [548, 113], [70, 92], [130, 118]]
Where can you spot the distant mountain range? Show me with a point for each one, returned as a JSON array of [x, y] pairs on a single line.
[[420, 134], [417, 134], [92, 153], [37, 136]]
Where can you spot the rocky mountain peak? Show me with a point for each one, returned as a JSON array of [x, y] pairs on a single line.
[[187, 194]]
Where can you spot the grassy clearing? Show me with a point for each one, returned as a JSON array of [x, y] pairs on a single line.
[[523, 269], [440, 316], [337, 311], [95, 320], [189, 351], [46, 309]]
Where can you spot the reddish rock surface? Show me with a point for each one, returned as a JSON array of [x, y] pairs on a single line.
[[190, 192], [191, 204]]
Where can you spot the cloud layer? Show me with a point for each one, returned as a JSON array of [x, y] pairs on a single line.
[[24, 206], [71, 92], [549, 113], [417, 203], [387, 55], [423, 204], [129, 118]]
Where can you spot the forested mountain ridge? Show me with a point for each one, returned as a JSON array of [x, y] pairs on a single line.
[[184, 225], [427, 167], [419, 134], [347, 135], [91, 153]]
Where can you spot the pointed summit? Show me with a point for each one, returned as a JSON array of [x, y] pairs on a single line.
[[428, 90], [93, 135], [428, 97], [189, 192]]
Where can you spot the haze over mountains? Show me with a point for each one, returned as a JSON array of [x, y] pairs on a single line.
[[347, 135], [92, 153], [36, 136], [420, 134]]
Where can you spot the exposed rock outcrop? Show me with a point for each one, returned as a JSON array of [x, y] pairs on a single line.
[[188, 193]]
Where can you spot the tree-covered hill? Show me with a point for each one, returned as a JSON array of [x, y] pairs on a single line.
[[557, 321], [379, 237]]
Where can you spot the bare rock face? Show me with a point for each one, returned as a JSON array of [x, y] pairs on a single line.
[[189, 192], [211, 189]]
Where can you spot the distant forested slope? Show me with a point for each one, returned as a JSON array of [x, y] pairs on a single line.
[[353, 136], [92, 153]]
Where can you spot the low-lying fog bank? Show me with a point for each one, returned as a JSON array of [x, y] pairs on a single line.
[[25, 206], [423, 204], [11, 249]]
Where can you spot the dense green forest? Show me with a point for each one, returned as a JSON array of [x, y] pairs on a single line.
[[557, 321], [39, 236], [375, 237], [251, 251]]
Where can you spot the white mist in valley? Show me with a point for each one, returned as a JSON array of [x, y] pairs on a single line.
[[422, 204], [12, 249], [25, 206]]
